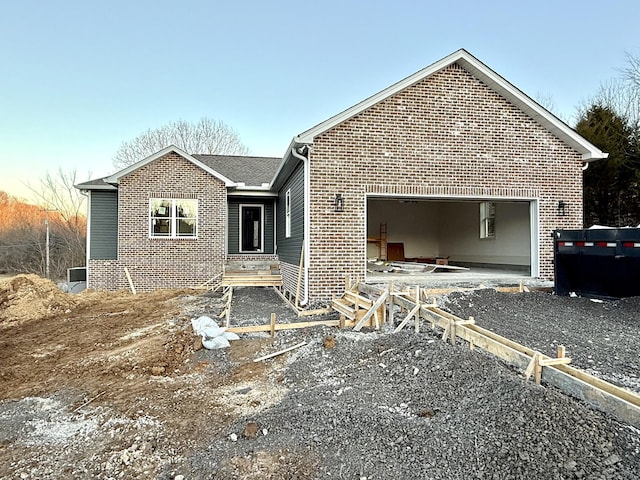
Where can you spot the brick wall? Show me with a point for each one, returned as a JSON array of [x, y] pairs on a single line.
[[449, 136], [165, 262]]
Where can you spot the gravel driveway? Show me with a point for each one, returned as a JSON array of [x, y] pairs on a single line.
[[407, 405]]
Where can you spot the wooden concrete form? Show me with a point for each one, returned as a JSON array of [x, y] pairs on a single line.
[[601, 395], [274, 327]]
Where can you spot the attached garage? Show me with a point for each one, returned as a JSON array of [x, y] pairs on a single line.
[[498, 234]]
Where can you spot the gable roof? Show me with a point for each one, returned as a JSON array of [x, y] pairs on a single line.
[[483, 73], [115, 178], [237, 171], [251, 171]]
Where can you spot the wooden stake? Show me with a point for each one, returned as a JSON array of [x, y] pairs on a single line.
[[417, 308], [300, 268], [273, 325], [133, 288], [227, 320], [280, 352], [538, 371], [453, 333], [531, 367], [561, 351], [89, 401], [447, 329], [392, 303]]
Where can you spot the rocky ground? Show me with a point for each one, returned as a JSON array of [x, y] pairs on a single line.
[[113, 386]]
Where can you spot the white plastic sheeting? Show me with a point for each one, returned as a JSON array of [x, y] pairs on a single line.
[[213, 336]]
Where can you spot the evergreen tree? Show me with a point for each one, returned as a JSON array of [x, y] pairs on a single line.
[[612, 185]]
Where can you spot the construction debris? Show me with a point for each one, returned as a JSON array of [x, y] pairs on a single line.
[[280, 352], [213, 336]]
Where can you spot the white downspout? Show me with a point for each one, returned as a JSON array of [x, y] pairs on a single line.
[[87, 194], [307, 219]]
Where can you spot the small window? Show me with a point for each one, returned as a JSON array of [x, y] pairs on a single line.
[[487, 220], [173, 218], [287, 207]]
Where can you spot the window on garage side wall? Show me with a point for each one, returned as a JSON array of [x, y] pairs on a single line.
[[173, 218], [487, 220]]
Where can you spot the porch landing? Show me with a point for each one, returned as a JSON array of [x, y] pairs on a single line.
[[242, 273]]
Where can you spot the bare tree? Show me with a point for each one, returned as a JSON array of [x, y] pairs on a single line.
[[205, 136], [632, 71], [65, 217], [56, 192], [622, 94]]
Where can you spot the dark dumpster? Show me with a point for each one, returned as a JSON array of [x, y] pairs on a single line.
[[598, 262]]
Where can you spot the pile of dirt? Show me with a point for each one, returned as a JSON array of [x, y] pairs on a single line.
[[30, 297]]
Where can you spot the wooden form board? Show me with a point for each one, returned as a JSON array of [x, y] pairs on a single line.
[[601, 395], [285, 326]]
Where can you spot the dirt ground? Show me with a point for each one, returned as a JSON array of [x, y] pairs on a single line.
[[115, 385]]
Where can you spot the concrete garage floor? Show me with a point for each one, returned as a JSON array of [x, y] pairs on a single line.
[[474, 277]]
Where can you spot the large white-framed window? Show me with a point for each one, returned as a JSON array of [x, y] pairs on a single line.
[[173, 218], [251, 228], [287, 217], [487, 220]]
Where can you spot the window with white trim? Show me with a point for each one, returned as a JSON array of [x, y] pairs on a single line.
[[487, 220], [173, 217], [287, 218]]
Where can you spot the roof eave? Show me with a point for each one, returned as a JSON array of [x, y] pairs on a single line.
[[286, 158], [94, 186]]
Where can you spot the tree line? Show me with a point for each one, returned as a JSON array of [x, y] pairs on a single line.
[[47, 238], [611, 121]]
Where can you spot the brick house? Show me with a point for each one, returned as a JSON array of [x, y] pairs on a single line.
[[452, 161]]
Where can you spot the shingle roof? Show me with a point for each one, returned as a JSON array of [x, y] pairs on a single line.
[[252, 171], [96, 184]]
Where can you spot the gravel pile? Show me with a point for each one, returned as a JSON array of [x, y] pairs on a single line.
[[407, 405]]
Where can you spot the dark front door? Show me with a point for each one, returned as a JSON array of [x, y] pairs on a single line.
[[251, 228]]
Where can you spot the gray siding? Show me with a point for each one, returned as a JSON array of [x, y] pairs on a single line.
[[103, 222], [233, 223], [289, 248]]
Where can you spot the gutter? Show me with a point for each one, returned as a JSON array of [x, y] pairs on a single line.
[[307, 208]]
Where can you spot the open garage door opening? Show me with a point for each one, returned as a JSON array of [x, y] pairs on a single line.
[[483, 238]]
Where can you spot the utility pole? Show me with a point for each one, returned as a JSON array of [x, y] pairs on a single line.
[[46, 222]]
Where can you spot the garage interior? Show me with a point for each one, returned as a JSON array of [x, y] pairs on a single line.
[[490, 238]]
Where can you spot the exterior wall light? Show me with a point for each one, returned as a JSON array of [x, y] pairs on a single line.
[[339, 203], [562, 208]]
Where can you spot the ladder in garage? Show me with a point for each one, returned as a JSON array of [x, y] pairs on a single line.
[[382, 246]]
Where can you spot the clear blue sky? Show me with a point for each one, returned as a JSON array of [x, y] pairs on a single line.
[[80, 77]]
